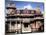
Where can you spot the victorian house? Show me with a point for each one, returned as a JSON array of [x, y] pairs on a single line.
[[24, 20]]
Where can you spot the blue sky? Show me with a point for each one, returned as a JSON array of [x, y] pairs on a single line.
[[24, 4]]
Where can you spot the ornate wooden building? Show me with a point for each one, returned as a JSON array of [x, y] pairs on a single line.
[[23, 21]]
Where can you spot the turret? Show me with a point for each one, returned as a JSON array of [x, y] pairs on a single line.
[[38, 10], [11, 8]]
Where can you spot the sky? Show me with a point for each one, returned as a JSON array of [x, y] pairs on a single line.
[[29, 5], [27, 0]]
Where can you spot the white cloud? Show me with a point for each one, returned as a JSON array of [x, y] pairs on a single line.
[[28, 6], [42, 12], [19, 8]]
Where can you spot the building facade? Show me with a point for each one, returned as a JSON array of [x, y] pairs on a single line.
[[23, 21]]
